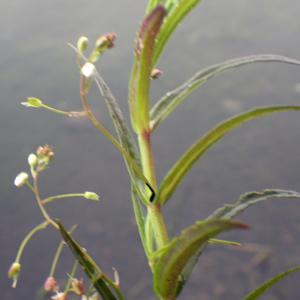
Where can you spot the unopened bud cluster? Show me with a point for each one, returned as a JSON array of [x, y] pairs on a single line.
[[103, 43], [44, 155]]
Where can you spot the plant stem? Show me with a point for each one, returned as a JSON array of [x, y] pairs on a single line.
[[40, 203], [147, 158], [158, 225], [71, 276], [62, 196], [55, 259], [28, 237], [57, 111], [154, 212]]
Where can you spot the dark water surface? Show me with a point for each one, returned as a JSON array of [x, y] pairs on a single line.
[[35, 61]]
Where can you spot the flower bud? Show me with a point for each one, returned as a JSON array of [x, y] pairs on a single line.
[[82, 44], [45, 151], [32, 160], [106, 41], [77, 286], [33, 102], [45, 155], [156, 73], [21, 179], [51, 285], [91, 196], [88, 70], [14, 272]]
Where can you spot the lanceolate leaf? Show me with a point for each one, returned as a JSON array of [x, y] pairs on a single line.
[[170, 261], [96, 276], [192, 155], [229, 211], [139, 85], [175, 16], [139, 218], [172, 99], [132, 161], [260, 291], [117, 118]]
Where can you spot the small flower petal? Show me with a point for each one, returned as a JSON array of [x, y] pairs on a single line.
[[21, 179], [88, 70]]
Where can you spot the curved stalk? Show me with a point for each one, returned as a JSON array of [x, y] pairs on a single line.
[[28, 237], [40, 203]]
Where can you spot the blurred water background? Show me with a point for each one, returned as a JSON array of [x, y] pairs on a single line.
[[35, 61]]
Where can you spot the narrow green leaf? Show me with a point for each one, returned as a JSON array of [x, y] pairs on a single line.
[[229, 211], [269, 284], [139, 84], [94, 273], [117, 117], [140, 219], [175, 16], [125, 139], [162, 109], [223, 242], [170, 261], [195, 152]]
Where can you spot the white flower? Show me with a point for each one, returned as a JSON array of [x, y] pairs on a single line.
[[88, 70], [32, 160], [21, 179]]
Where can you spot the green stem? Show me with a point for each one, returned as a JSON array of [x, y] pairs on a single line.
[[62, 196], [28, 237], [154, 211], [71, 276], [55, 259], [57, 111], [30, 186], [39, 202], [144, 140], [58, 253], [158, 226]]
